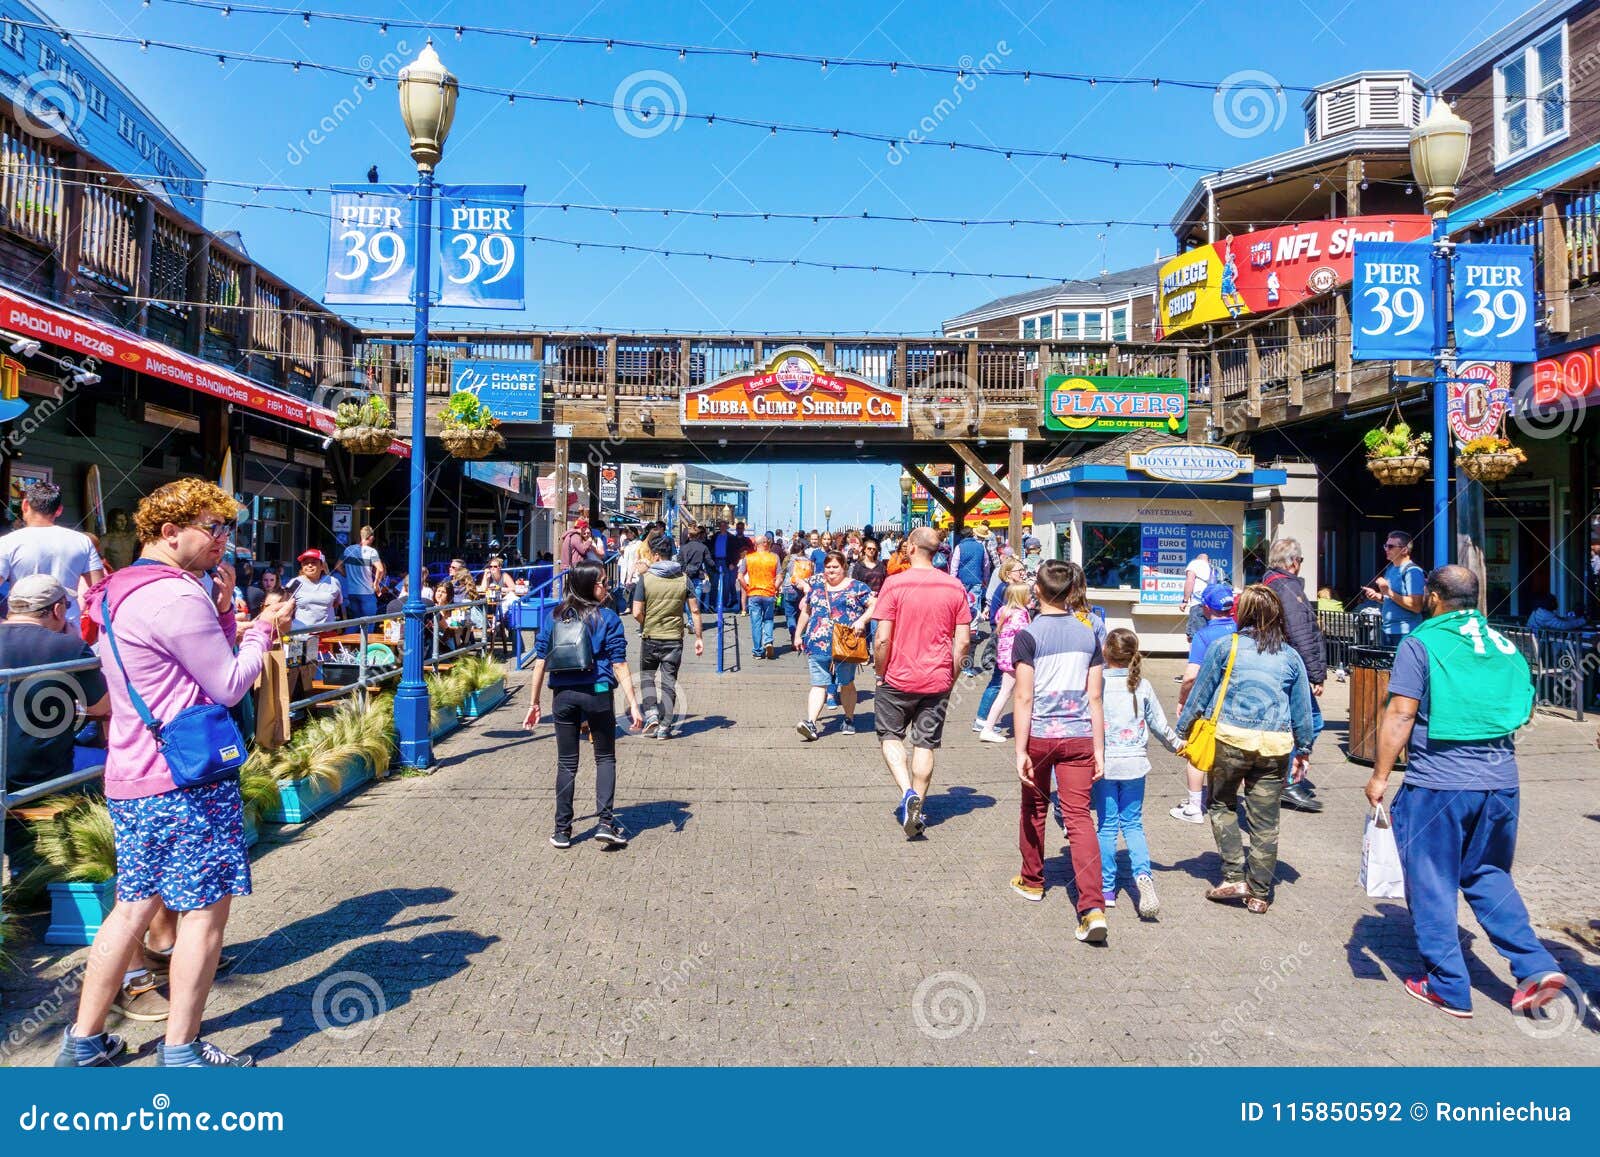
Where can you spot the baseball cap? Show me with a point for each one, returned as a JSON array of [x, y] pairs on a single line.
[[312, 555], [1218, 597], [36, 593], [1029, 542]]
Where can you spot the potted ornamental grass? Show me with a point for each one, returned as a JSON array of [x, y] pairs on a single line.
[[468, 428], [364, 427], [1490, 458], [76, 848], [447, 691], [1396, 455], [483, 677]]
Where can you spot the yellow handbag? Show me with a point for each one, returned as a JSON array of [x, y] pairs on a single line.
[[1200, 748]]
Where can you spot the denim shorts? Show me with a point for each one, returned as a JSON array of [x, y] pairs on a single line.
[[185, 845], [826, 671]]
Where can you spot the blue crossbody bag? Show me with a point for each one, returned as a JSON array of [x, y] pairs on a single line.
[[201, 744]]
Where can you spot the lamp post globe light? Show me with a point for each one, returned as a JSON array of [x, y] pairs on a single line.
[[670, 493], [905, 503], [1439, 147], [827, 518], [428, 106]]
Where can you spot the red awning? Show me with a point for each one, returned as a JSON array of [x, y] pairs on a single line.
[[116, 346]]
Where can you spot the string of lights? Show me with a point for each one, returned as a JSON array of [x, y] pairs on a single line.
[[824, 63], [371, 77]]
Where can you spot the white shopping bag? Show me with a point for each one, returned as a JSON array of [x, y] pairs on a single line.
[[1381, 875]]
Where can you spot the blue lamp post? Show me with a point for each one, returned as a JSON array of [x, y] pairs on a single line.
[[428, 105], [1438, 158], [905, 503], [670, 493]]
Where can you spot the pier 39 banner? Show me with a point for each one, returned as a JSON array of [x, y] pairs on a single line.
[[1250, 273]]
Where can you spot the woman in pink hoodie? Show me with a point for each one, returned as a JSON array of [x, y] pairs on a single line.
[[182, 848]]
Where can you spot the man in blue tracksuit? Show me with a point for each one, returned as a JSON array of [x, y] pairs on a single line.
[[1458, 692], [969, 562]]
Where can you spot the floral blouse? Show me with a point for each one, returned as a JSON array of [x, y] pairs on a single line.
[[824, 608]]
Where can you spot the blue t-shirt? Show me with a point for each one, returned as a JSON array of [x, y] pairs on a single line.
[[1445, 765], [1406, 580], [819, 558], [1213, 630], [606, 639]]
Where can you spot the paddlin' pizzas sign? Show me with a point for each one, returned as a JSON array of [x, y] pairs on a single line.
[[795, 388], [1251, 273]]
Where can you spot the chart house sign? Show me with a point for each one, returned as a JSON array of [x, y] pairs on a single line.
[[793, 388], [1185, 462], [1115, 405]]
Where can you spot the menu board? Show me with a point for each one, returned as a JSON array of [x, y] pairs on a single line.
[[1165, 549]]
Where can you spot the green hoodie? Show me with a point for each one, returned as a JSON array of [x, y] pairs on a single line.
[[1479, 686]]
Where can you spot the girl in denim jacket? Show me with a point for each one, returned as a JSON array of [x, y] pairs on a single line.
[[1133, 714]]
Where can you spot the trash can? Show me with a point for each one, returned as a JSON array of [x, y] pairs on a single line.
[[1369, 689], [1369, 630]]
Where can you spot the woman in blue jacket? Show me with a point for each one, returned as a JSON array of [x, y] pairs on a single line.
[[586, 696], [1263, 740]]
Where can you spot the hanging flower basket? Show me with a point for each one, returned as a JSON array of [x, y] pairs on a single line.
[[364, 439], [1405, 470], [1490, 458], [471, 443]]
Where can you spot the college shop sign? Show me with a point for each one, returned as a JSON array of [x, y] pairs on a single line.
[[1115, 405], [793, 387]]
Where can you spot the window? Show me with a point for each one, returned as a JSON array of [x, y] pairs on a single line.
[[1047, 326], [1083, 324], [1530, 94], [1121, 323], [1043, 326], [1111, 554], [11, 36]]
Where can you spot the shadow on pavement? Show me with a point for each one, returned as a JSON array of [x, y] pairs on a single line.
[[349, 919], [953, 802], [1207, 866]]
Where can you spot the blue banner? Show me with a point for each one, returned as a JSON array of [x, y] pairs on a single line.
[[370, 261], [1494, 303], [513, 391], [481, 246], [1391, 301]]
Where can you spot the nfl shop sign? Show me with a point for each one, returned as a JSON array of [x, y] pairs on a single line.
[[1479, 395], [1255, 273], [1115, 405], [794, 387]]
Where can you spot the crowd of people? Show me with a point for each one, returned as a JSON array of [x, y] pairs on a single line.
[[174, 654]]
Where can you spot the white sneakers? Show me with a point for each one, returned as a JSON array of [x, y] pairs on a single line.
[[1187, 812]]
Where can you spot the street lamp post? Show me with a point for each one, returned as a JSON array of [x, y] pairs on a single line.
[[905, 503], [827, 519], [428, 105], [670, 482], [1438, 158]]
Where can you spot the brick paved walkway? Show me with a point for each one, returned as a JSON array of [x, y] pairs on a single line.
[[769, 911]]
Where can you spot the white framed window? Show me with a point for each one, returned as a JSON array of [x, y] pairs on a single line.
[[1121, 322], [1083, 324], [1041, 326], [1530, 98], [11, 36], [1030, 328]]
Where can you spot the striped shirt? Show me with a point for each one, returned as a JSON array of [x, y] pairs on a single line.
[[1061, 649]]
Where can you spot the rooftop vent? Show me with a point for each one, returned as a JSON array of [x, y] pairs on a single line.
[[1367, 100]]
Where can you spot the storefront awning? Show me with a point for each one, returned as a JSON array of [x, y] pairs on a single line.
[[79, 335]]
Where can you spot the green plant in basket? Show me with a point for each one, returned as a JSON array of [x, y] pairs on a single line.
[[370, 411], [464, 412], [1395, 441]]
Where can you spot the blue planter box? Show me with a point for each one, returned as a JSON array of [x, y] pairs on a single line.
[[451, 721], [77, 910], [302, 799], [252, 834], [480, 703]]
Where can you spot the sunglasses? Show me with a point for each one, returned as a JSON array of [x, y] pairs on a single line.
[[217, 529]]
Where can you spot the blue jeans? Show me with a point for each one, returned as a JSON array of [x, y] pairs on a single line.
[[760, 623], [791, 612], [1316, 719], [700, 588], [1119, 807], [361, 606], [991, 692], [1463, 840]]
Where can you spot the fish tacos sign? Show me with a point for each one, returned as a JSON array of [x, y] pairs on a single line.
[[793, 387]]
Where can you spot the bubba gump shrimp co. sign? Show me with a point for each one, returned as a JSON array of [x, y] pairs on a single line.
[[793, 387]]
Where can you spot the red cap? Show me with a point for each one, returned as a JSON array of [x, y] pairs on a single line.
[[312, 555]]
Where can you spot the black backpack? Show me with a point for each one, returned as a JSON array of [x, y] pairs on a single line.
[[571, 651]]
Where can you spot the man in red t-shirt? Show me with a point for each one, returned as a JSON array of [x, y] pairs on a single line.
[[924, 630]]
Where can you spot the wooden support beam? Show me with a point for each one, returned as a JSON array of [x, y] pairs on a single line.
[[1014, 524], [144, 234], [974, 394], [1216, 389], [900, 348], [1341, 344], [66, 271], [932, 488], [559, 494], [1354, 172], [199, 271], [958, 515], [1556, 274], [1002, 490], [592, 472], [1252, 375], [611, 382], [1296, 355]]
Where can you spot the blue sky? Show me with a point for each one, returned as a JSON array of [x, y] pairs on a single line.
[[251, 123]]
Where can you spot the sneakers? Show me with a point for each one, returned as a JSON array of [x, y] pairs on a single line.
[[199, 1054], [651, 723], [847, 728], [1537, 991], [909, 813], [766, 652], [1111, 901], [1027, 891], [160, 963], [1297, 797], [988, 736], [1188, 813], [612, 834], [141, 1000], [88, 1052], [807, 730], [666, 731], [1092, 927], [1149, 904], [562, 838], [1418, 987], [977, 727]]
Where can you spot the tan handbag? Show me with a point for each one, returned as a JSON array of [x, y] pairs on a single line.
[[849, 646]]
